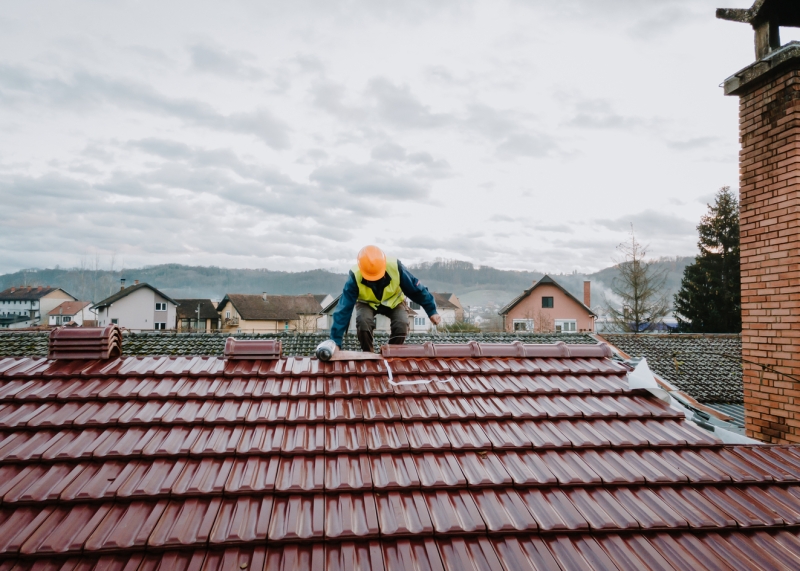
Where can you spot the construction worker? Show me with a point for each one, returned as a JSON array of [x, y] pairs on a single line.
[[378, 284]]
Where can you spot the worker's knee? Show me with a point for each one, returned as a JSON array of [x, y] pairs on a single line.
[[365, 321]]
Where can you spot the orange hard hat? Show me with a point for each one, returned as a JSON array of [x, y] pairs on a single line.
[[372, 263]]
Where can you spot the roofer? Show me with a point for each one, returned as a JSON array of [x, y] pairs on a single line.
[[378, 284]]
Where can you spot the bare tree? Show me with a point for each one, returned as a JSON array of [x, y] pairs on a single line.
[[640, 286]]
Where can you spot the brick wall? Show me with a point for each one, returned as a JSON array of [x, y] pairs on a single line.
[[770, 250]]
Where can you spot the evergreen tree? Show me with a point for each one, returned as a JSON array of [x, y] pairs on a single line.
[[709, 300]]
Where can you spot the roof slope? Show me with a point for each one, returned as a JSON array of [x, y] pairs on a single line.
[[443, 301], [187, 309], [274, 307], [707, 367], [126, 292], [28, 293], [34, 344], [546, 280], [517, 463], [69, 308]]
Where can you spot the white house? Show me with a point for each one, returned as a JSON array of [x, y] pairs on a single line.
[[140, 307], [70, 312], [27, 306]]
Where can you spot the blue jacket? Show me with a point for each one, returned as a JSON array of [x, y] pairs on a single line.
[[410, 285]]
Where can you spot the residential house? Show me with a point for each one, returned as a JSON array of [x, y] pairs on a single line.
[[549, 307], [27, 306], [449, 307], [138, 307], [324, 301], [197, 315], [71, 313], [269, 313]]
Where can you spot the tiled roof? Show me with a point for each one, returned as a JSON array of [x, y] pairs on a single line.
[[187, 309], [498, 463], [24, 344], [68, 308], [707, 367], [27, 293], [443, 301], [274, 307], [126, 292]]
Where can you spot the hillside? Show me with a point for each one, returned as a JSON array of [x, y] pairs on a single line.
[[474, 285]]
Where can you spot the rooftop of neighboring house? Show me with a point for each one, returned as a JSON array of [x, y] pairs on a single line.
[[124, 292], [510, 457], [187, 309], [69, 308], [271, 307], [707, 367], [545, 280], [27, 293], [320, 297], [443, 300]]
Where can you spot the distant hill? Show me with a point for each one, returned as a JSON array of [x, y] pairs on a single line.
[[475, 285]]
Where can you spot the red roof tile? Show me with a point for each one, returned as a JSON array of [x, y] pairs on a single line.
[[529, 458]]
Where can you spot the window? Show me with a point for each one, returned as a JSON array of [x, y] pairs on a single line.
[[161, 306], [160, 325], [115, 321], [419, 321], [523, 325], [414, 305], [547, 302], [286, 325], [227, 315], [66, 319], [566, 325]]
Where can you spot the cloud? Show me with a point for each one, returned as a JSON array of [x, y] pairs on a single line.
[[423, 164], [398, 106], [211, 58], [651, 223], [369, 180], [599, 114], [693, 143], [85, 90]]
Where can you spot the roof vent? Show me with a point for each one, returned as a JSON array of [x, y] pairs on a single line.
[[252, 349], [85, 343]]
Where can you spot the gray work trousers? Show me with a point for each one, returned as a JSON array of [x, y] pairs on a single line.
[[365, 324]]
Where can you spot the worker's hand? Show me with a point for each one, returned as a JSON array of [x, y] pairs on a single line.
[[436, 319]]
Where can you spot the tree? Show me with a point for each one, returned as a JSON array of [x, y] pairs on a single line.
[[709, 300], [640, 287]]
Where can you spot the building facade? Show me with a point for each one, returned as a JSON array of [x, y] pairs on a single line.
[[140, 307], [29, 306], [549, 308]]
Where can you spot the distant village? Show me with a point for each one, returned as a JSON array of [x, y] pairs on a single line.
[[546, 307]]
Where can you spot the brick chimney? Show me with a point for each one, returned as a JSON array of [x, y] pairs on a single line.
[[587, 294], [769, 193], [135, 282]]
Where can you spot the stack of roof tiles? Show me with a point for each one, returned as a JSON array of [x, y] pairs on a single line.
[[514, 457], [708, 367], [85, 343]]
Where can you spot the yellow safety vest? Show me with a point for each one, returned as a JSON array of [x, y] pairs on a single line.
[[392, 294]]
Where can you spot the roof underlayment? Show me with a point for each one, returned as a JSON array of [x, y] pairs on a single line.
[[532, 457]]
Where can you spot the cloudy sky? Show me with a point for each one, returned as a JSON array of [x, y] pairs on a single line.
[[522, 134]]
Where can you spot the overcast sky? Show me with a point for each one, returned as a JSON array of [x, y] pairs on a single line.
[[286, 135]]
